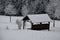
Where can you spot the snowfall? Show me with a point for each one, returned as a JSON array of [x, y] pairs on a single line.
[[12, 32]]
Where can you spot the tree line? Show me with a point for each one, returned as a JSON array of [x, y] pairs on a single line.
[[22, 7]]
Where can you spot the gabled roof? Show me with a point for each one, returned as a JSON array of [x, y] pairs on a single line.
[[26, 18], [39, 18]]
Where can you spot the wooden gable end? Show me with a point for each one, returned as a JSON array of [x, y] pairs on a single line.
[[26, 18]]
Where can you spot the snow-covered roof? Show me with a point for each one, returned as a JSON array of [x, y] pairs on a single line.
[[39, 18]]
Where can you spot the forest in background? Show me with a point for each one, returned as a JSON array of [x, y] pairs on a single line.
[[25, 7], [22, 7]]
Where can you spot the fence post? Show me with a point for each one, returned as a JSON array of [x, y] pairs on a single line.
[[53, 23], [10, 18]]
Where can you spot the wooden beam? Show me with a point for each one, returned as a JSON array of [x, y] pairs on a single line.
[[10, 18], [49, 26], [53, 23], [24, 24]]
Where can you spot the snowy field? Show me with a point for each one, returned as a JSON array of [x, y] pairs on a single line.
[[53, 34], [12, 33]]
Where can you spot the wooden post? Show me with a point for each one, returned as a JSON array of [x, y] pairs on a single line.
[[31, 25], [23, 24], [40, 23], [10, 18], [53, 23], [49, 26]]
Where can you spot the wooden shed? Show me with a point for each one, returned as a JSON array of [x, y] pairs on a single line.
[[38, 21]]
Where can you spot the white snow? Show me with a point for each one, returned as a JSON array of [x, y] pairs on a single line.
[[27, 25], [5, 19], [9, 25], [13, 19], [14, 34], [39, 18], [5, 22], [54, 34]]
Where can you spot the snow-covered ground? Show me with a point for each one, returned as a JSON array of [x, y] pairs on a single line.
[[53, 34], [30, 35], [9, 31]]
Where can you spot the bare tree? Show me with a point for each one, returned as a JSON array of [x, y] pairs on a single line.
[[34, 6], [19, 23], [10, 10], [51, 8]]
